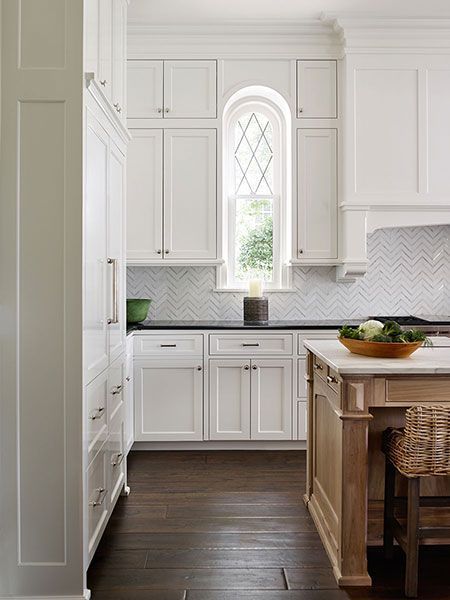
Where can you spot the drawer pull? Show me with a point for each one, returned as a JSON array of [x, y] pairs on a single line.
[[100, 498], [128, 378], [117, 460], [168, 345], [318, 367], [331, 379], [116, 390], [256, 345], [97, 413], [199, 368], [246, 367]]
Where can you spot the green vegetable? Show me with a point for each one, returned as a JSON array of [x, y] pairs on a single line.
[[392, 329], [370, 328], [380, 337], [350, 332]]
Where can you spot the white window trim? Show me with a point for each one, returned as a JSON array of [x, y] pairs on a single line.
[[265, 102]]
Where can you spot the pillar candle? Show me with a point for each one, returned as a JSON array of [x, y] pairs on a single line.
[[255, 288]]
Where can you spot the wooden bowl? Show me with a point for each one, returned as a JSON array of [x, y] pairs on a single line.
[[380, 349]]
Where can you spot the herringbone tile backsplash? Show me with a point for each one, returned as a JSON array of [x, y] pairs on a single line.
[[409, 272]]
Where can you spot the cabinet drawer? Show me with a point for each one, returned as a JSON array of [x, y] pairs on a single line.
[[164, 345], [96, 415], [320, 368], [116, 457], [245, 345], [116, 378], [334, 381], [418, 389], [314, 335], [97, 498]]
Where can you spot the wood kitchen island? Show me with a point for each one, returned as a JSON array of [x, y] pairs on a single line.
[[351, 400]]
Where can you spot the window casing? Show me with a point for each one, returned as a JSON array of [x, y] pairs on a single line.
[[255, 192]]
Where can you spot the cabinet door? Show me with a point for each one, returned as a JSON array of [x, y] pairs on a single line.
[[116, 283], [317, 193], [169, 400], [190, 89], [229, 399], [129, 403], [95, 335], [316, 89], [97, 499], [144, 196], [96, 416], [271, 399], [119, 20], [105, 46], [145, 89], [190, 193]]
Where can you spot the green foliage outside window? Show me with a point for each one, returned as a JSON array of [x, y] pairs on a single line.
[[256, 250]]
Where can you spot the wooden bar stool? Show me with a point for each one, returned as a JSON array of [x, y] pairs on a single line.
[[421, 449]]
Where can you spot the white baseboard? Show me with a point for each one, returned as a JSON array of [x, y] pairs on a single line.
[[213, 445], [86, 596]]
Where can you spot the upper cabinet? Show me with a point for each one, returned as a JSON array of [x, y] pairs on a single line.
[[171, 200], [105, 48], [173, 89], [316, 89]]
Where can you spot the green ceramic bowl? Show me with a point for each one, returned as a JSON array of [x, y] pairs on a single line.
[[137, 310]]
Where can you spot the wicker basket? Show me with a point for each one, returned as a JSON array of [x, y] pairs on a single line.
[[422, 448]]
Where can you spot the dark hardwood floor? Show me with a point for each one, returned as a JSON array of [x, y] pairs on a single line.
[[231, 526]]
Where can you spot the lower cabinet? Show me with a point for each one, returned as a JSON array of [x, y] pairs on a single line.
[[250, 399], [168, 399], [129, 401], [97, 499]]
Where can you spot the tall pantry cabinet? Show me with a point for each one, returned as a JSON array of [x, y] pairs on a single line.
[[106, 413]]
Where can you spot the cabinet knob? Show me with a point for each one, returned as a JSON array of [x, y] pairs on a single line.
[[128, 378], [166, 110], [300, 109], [159, 252], [199, 368], [254, 367], [246, 367], [159, 110], [166, 252], [103, 82], [300, 250]]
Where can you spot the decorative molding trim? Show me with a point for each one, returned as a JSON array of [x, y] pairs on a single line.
[[350, 271], [348, 207], [233, 39], [99, 96], [380, 33], [137, 262]]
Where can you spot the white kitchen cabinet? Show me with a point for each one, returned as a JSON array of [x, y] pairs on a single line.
[[271, 399], [97, 498], [104, 248], [96, 417], [168, 399], [116, 276], [129, 398], [229, 399], [172, 89], [317, 193], [116, 457], [145, 195], [250, 399], [145, 89], [190, 193], [95, 339], [190, 89], [118, 70], [105, 46], [316, 89], [171, 201]]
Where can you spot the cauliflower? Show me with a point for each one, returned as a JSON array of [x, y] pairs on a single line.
[[370, 328]]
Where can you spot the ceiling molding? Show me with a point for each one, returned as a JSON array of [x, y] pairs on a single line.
[[375, 33], [229, 39]]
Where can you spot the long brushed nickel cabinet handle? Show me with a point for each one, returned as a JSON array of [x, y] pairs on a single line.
[[115, 318]]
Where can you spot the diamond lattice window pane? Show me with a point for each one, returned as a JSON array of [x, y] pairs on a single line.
[[253, 155]]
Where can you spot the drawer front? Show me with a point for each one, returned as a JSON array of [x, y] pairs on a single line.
[[116, 377], [314, 335], [334, 381], [97, 498], [96, 415], [320, 368], [164, 345], [251, 344], [414, 390]]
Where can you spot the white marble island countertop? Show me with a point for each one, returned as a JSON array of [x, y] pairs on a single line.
[[425, 361]]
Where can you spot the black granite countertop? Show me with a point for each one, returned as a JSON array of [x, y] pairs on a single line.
[[307, 324]]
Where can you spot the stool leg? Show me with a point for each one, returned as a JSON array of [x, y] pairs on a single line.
[[389, 503], [412, 537]]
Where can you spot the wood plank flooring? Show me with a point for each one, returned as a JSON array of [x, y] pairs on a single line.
[[229, 526]]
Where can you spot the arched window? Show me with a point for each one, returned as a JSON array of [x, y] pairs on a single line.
[[255, 190]]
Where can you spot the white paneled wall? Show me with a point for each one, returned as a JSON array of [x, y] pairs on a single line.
[[409, 272]]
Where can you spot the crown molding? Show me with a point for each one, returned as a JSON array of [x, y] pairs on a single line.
[[232, 39], [359, 33]]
